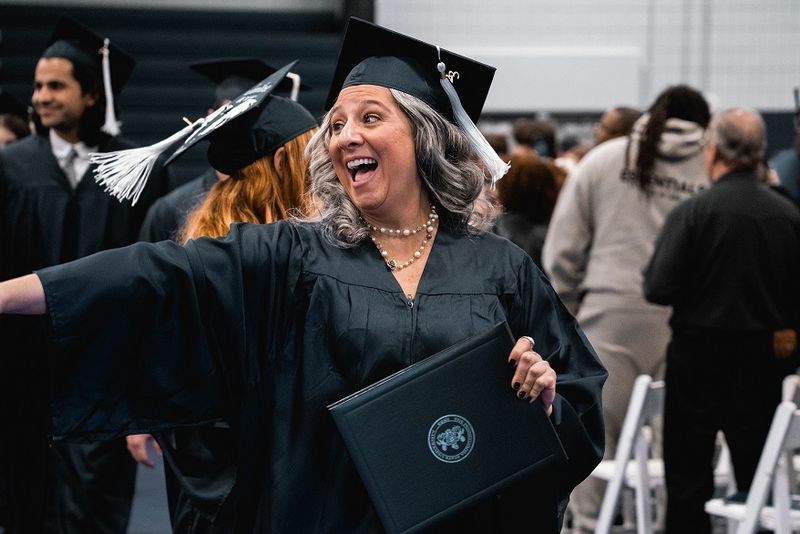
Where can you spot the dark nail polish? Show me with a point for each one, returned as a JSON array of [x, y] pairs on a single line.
[[512, 363], [521, 395], [516, 385]]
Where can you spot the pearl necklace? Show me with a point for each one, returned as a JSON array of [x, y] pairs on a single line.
[[427, 225], [394, 265]]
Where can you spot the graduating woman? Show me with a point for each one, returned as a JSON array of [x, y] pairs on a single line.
[[272, 323]]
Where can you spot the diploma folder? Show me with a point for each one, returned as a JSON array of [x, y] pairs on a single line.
[[444, 433]]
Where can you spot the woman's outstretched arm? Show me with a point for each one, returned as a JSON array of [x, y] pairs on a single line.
[[23, 295]]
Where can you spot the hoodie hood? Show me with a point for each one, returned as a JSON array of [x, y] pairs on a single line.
[[680, 139]]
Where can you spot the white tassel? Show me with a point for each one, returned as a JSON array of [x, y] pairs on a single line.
[[497, 167], [111, 126], [124, 173], [295, 85]]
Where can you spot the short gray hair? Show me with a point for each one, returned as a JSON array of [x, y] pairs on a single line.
[[449, 170], [739, 135]]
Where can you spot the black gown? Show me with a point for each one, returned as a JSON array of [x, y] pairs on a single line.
[[268, 325], [199, 463], [167, 214], [44, 222]]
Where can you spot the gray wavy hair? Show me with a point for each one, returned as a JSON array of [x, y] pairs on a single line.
[[740, 137], [450, 173]]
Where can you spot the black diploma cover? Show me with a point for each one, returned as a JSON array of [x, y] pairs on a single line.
[[445, 432]]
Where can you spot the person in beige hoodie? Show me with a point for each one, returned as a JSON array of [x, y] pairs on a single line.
[[600, 239]]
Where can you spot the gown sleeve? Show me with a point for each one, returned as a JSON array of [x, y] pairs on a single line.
[[577, 412], [156, 336]]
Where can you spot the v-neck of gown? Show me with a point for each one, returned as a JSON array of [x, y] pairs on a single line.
[[422, 284]]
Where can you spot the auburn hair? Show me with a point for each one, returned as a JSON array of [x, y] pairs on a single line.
[[531, 187], [255, 193]]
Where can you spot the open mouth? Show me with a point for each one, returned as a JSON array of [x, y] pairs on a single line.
[[361, 166]]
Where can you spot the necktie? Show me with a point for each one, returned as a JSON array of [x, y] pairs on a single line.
[[69, 168]]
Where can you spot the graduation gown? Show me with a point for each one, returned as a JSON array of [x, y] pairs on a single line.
[[43, 222], [268, 325], [168, 213], [199, 463]]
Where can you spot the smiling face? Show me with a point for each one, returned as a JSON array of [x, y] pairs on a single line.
[[372, 150], [58, 98]]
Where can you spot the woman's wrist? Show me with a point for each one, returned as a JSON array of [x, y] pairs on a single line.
[[23, 295]]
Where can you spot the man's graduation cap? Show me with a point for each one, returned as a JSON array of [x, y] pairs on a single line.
[[11, 106], [124, 173], [72, 41], [453, 85], [234, 75]]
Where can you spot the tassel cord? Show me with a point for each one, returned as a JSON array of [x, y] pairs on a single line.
[[295, 85], [496, 167], [111, 125]]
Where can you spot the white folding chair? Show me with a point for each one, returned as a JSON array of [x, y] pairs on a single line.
[[772, 473], [790, 389], [632, 465], [791, 392], [724, 479], [644, 472]]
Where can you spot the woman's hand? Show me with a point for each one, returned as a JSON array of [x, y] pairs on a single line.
[[533, 376], [137, 446]]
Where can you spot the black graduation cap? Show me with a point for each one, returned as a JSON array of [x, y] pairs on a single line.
[[9, 104], [257, 133], [77, 43], [247, 101], [374, 55], [234, 75], [124, 173]]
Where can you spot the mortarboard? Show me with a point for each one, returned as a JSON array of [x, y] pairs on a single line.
[[73, 41], [234, 75], [244, 130], [9, 104], [453, 85], [258, 133]]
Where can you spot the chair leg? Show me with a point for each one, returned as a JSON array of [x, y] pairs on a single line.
[[660, 496], [615, 494], [781, 495], [628, 509], [644, 508]]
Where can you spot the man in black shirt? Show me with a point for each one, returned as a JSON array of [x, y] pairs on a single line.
[[725, 263]]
